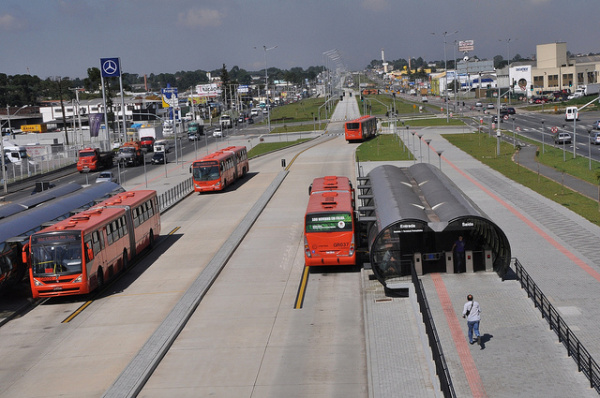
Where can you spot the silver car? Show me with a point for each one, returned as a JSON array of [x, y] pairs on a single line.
[[106, 176]]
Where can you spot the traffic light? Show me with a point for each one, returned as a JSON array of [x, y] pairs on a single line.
[[361, 98], [570, 83]]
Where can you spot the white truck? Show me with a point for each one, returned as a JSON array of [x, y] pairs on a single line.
[[149, 134], [16, 154], [225, 121], [586, 89]]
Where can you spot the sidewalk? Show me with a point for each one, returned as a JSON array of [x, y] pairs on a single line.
[[527, 159]]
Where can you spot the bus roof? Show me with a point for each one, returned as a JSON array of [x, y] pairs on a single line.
[[331, 183], [221, 154], [85, 221], [128, 198], [329, 201]]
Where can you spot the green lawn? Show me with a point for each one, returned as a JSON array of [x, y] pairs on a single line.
[[484, 148], [384, 147]]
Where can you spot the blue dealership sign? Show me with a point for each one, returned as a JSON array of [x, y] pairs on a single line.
[[110, 67]]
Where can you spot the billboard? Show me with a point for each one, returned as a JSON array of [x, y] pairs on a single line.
[[466, 45], [208, 90], [169, 97]]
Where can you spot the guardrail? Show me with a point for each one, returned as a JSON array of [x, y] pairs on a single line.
[[581, 356], [169, 198], [441, 368]]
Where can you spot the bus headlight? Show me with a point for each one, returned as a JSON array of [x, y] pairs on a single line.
[[78, 279]]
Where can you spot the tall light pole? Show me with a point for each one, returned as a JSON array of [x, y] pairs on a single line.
[[446, 74], [508, 65], [265, 48]]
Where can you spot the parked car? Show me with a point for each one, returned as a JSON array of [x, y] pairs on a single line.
[[218, 133], [159, 158], [596, 125], [562, 138], [106, 176], [595, 138]]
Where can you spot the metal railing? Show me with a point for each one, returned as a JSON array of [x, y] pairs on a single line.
[[441, 368], [171, 197], [581, 356]]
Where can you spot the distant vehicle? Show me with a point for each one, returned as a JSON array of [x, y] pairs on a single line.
[[478, 105], [159, 158], [507, 111], [571, 112], [254, 112], [562, 138], [163, 146], [596, 125], [490, 106], [241, 119], [424, 98], [595, 138], [196, 129], [131, 154], [34, 128], [92, 159], [250, 120], [106, 176], [360, 129], [218, 133], [216, 171], [148, 135], [225, 121]]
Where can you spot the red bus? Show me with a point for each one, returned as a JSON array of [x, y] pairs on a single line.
[[329, 223], [216, 171], [78, 254], [361, 129]]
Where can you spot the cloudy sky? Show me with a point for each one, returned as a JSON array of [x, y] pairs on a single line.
[[65, 37]]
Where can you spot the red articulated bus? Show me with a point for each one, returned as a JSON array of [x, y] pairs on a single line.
[[216, 171], [329, 223], [77, 255], [361, 129]]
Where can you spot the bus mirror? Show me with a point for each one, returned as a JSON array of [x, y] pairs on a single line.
[[25, 254]]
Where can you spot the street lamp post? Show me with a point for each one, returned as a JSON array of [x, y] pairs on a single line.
[[439, 152], [265, 48], [420, 148], [446, 74], [428, 141], [413, 146], [543, 143]]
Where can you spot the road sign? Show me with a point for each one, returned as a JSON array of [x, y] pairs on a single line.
[[480, 120], [554, 129], [169, 97], [110, 67], [505, 117]]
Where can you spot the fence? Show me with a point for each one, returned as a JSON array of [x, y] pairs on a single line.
[[169, 198], [441, 367], [37, 165], [583, 359]]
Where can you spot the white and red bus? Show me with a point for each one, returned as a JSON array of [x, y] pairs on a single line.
[[216, 171], [329, 223], [77, 255], [360, 129]]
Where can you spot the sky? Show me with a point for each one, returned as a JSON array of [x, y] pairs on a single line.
[[49, 38]]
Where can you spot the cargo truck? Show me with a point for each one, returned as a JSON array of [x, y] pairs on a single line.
[[34, 128], [92, 159], [149, 134], [131, 154]]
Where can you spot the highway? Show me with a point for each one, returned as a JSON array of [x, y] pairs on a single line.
[[245, 339]]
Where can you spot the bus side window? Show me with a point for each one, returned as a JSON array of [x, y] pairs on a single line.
[[89, 253]]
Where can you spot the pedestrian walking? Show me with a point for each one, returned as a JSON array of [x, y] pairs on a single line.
[[472, 312], [459, 254]]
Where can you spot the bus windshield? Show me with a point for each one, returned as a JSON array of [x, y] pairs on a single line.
[[56, 254], [352, 126], [206, 172], [328, 222]]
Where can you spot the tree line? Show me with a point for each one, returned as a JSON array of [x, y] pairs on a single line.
[[20, 90]]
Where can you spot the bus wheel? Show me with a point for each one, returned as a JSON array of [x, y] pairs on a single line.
[[100, 277], [125, 261], [151, 240]]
